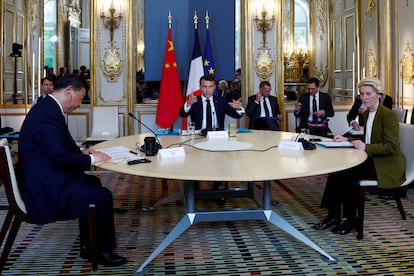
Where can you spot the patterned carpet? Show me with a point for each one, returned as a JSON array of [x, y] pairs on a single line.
[[224, 248]]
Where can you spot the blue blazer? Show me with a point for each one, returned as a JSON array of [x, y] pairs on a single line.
[[221, 106], [51, 166]]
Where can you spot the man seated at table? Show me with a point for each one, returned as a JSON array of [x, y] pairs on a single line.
[[263, 109], [51, 170], [208, 111], [313, 108]]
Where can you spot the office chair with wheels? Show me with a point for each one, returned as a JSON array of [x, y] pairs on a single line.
[[406, 136], [16, 213]]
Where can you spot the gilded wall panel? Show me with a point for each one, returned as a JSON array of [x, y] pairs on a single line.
[[349, 42], [337, 44]]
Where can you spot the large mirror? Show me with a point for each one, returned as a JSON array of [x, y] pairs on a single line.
[[222, 39], [296, 47], [66, 39]]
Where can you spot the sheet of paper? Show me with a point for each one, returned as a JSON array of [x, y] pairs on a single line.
[[119, 152]]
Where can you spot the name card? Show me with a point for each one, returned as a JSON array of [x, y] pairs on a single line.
[[290, 148], [221, 135], [171, 153]]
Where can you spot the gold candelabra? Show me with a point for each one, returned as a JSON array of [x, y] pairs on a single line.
[[296, 65], [264, 25], [111, 22]]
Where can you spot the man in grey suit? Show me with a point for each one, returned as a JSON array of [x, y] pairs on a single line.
[[314, 108], [263, 109]]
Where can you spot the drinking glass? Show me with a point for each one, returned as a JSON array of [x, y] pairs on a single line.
[[191, 128], [304, 133]]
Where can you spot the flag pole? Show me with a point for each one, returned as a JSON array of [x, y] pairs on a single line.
[[195, 19], [170, 96], [207, 19]]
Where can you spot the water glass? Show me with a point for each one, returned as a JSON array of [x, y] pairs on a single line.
[[191, 128], [304, 133], [232, 130]]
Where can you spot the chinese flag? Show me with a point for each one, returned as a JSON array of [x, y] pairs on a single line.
[[170, 97]]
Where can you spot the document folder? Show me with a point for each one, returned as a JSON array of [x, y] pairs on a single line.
[[332, 144]]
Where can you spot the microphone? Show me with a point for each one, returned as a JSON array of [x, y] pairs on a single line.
[[158, 144]]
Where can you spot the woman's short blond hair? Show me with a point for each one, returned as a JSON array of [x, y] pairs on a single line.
[[374, 83], [223, 83]]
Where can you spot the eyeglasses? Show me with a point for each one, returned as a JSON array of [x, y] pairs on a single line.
[[367, 94]]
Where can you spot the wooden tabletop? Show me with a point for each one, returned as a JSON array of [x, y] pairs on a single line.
[[257, 164]]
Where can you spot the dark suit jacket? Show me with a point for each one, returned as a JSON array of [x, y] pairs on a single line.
[[253, 110], [51, 166], [221, 106], [325, 103], [385, 149], [353, 112]]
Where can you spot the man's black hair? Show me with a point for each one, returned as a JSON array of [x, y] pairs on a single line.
[[77, 82]]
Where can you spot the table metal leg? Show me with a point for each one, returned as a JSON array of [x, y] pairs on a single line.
[[180, 228], [193, 217], [281, 223], [174, 197]]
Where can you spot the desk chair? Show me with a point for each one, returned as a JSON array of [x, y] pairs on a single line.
[[105, 124], [401, 114], [16, 213], [406, 136]]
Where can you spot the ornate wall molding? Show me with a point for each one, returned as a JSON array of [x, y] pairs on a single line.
[[321, 16], [34, 18], [407, 63]]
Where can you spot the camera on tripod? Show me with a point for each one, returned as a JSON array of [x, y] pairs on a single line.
[[17, 50]]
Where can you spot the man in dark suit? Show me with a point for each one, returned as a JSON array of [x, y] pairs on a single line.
[[314, 108], [208, 111], [51, 169], [47, 87], [263, 109]]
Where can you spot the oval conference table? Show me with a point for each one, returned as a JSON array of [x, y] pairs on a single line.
[[249, 157]]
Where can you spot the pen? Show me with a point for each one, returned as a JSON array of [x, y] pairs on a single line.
[[133, 152]]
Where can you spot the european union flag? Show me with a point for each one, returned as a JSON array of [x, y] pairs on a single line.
[[208, 63]]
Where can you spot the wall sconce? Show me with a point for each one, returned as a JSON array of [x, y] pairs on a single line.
[[264, 65], [111, 22], [111, 64], [264, 24]]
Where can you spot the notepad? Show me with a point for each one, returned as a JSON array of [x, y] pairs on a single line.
[[333, 144]]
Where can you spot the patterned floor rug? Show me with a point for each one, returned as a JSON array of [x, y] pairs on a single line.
[[223, 248]]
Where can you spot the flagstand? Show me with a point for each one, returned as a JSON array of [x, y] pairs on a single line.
[[170, 96]]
